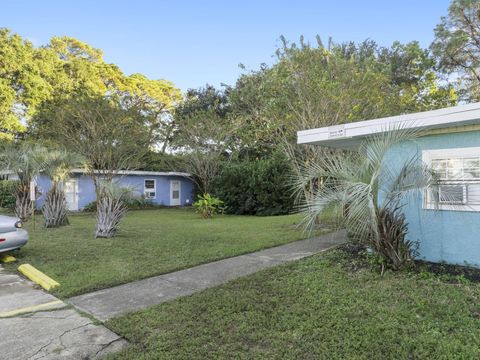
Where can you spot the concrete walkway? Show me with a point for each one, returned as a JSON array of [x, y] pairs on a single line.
[[34, 325], [108, 303]]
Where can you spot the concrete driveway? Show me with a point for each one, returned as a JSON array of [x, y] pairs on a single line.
[[34, 325]]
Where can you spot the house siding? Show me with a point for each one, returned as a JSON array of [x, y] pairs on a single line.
[[442, 235], [86, 188]]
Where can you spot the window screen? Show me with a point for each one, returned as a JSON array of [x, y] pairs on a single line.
[[458, 174]]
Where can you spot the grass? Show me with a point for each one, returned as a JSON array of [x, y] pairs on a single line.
[[150, 242], [323, 307]]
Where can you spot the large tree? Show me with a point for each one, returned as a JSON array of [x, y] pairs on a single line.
[[327, 84], [157, 100], [320, 85], [457, 46], [22, 83], [31, 76], [109, 137], [203, 134]]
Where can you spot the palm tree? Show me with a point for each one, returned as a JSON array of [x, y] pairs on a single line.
[[111, 208], [58, 165], [24, 160], [369, 191]]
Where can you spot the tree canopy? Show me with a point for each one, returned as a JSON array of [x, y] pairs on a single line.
[[30, 76], [317, 85], [457, 46]]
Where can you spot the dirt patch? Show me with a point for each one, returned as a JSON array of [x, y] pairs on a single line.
[[354, 257], [455, 272]]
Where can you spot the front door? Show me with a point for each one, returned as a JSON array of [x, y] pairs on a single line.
[[71, 194], [174, 192]]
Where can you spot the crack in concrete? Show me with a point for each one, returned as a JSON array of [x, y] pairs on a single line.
[[41, 349], [52, 340], [105, 346]]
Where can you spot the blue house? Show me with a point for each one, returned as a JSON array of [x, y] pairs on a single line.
[[447, 231], [160, 188]]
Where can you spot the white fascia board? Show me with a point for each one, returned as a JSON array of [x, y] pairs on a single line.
[[349, 135], [137, 172]]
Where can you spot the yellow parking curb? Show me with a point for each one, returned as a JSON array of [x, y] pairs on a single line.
[[7, 258], [28, 309], [38, 277]]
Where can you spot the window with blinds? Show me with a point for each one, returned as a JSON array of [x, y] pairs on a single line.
[[458, 172]]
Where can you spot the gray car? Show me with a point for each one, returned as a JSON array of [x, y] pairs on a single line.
[[12, 235]]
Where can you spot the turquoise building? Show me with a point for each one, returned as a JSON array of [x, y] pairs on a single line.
[[447, 230]]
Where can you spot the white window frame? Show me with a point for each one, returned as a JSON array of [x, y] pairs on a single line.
[[145, 190], [454, 153]]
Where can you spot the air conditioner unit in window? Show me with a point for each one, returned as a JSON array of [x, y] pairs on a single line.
[[452, 194], [149, 194]]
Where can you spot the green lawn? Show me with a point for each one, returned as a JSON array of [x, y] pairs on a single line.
[[316, 308], [150, 242]]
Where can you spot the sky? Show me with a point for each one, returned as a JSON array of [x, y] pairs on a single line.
[[192, 43]]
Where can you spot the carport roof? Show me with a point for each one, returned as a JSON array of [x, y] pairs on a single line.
[[349, 136]]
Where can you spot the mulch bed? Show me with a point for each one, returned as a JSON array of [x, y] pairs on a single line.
[[356, 258]]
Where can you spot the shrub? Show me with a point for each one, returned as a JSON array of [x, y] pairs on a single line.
[[7, 194], [259, 187], [132, 202], [137, 202], [208, 205], [90, 207]]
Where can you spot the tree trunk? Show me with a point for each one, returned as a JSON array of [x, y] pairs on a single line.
[[23, 206], [55, 208], [110, 212]]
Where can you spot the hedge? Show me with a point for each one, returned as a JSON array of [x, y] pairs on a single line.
[[259, 187], [7, 197]]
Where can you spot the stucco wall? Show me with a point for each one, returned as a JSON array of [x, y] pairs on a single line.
[[443, 235], [86, 190]]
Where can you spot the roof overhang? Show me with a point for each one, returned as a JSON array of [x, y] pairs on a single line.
[[349, 136], [120, 172], [135, 172]]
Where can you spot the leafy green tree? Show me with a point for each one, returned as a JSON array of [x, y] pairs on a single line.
[[203, 134], [159, 161], [457, 46], [109, 137], [260, 111], [202, 120], [157, 100], [317, 85], [65, 67], [411, 73], [22, 84]]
